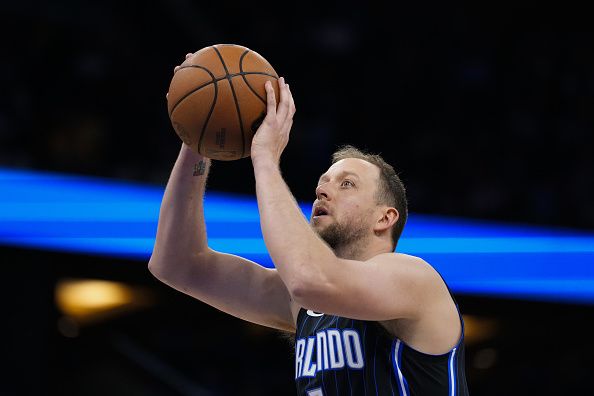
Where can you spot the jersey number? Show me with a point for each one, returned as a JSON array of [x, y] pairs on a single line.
[[315, 392]]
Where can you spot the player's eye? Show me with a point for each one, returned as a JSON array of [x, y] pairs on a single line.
[[347, 183]]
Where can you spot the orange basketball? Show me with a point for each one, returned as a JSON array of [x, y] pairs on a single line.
[[217, 100]]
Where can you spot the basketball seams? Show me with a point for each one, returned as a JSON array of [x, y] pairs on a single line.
[[214, 102], [196, 89], [231, 75], [247, 83], [245, 79], [214, 82], [230, 79]]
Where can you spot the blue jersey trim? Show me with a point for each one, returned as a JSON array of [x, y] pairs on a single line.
[[455, 347], [396, 362], [452, 373]]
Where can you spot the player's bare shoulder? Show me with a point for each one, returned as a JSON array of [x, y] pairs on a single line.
[[433, 311], [402, 261], [412, 273]]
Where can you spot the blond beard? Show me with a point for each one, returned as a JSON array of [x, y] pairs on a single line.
[[345, 240]]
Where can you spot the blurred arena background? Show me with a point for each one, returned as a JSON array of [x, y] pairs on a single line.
[[487, 114]]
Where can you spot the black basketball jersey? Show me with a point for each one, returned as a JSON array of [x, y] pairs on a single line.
[[336, 356]]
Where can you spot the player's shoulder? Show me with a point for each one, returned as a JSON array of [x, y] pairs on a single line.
[[418, 277], [412, 265], [400, 258]]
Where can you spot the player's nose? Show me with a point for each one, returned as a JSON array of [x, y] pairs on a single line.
[[322, 192]]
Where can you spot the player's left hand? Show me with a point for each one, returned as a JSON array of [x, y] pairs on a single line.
[[272, 136]]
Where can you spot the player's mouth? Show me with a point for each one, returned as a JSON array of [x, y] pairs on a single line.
[[319, 212]]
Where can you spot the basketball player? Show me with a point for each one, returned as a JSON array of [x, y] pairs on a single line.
[[366, 320]]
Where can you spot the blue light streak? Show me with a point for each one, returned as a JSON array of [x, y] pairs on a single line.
[[90, 215]]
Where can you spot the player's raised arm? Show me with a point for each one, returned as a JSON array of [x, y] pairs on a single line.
[[342, 263], [182, 259]]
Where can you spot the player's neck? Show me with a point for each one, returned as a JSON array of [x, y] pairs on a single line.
[[362, 250]]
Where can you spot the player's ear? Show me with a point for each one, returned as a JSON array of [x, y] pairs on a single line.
[[389, 217]]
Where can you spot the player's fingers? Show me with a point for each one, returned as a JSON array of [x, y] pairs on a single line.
[[270, 100], [175, 69], [285, 128], [292, 108], [283, 105], [188, 55]]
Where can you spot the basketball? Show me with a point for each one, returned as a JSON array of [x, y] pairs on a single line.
[[217, 100]]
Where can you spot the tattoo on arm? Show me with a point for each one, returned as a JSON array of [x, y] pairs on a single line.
[[199, 168]]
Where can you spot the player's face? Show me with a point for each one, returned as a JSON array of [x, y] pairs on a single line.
[[345, 205]]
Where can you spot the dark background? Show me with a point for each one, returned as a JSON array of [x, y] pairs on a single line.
[[485, 112]]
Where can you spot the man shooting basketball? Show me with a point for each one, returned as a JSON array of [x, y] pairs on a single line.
[[366, 320]]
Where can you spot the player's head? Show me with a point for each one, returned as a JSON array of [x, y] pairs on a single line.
[[360, 195]]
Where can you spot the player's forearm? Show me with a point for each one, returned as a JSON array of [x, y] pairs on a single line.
[[181, 227], [299, 255]]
